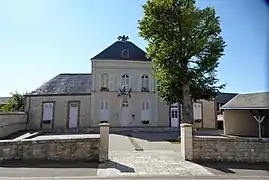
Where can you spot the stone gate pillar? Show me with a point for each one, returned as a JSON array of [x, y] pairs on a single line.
[[104, 142], [186, 136]]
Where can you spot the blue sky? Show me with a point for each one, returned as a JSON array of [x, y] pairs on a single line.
[[42, 38]]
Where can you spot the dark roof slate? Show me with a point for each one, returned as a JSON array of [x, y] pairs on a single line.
[[66, 84], [249, 101], [114, 52], [4, 100], [223, 98]]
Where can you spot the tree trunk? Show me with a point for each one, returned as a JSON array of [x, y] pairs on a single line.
[[187, 106]]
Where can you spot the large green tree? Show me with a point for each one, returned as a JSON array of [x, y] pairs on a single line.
[[185, 45], [15, 103]]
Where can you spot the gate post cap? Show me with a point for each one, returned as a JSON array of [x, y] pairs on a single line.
[[104, 124], [186, 125]]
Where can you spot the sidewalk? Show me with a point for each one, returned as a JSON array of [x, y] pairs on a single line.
[[140, 178]]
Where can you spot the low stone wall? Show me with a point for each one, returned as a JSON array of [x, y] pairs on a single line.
[[58, 147], [64, 149], [11, 122], [220, 148], [114, 129], [250, 150]]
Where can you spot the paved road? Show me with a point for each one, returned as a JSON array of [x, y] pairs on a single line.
[[138, 178]]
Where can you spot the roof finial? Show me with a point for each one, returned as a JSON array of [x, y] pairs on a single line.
[[123, 38]]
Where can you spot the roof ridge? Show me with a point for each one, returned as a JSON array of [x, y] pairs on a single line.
[[261, 92]]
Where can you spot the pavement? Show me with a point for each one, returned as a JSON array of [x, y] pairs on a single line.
[[153, 158], [136, 156], [137, 178]]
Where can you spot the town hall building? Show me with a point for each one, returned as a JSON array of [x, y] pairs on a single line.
[[120, 89]]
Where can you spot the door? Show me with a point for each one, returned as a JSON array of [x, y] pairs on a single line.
[[47, 112], [125, 118], [174, 117], [47, 117], [145, 115], [197, 111], [104, 112], [73, 114]]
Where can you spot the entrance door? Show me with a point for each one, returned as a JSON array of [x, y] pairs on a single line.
[[174, 117], [145, 116], [104, 113], [73, 114], [125, 119]]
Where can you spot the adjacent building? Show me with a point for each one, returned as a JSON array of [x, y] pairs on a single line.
[[247, 115]]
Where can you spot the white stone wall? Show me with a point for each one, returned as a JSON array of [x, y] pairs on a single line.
[[115, 69], [159, 112]]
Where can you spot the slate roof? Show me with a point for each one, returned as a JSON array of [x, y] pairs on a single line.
[[223, 98], [249, 101], [3, 100], [114, 52], [65, 84]]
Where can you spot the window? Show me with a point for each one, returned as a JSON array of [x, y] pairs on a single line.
[[145, 83], [104, 105], [125, 81], [124, 103], [174, 114], [145, 105], [104, 81], [125, 53]]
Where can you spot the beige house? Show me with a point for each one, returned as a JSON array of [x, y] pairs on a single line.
[[120, 90], [247, 115]]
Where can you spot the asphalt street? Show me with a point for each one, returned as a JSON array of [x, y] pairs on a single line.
[[140, 178]]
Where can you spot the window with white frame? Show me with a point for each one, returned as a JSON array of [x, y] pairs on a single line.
[[125, 81], [145, 83], [145, 105], [124, 103], [104, 105], [104, 82]]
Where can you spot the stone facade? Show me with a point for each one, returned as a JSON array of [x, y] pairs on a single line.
[[11, 122], [82, 149], [219, 148], [60, 116]]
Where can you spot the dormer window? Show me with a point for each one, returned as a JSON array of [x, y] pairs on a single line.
[[125, 53]]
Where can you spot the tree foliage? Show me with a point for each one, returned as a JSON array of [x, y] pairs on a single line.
[[185, 45], [15, 103]]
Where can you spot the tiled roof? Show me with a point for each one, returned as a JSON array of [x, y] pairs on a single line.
[[225, 97], [66, 84], [249, 101], [114, 52]]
